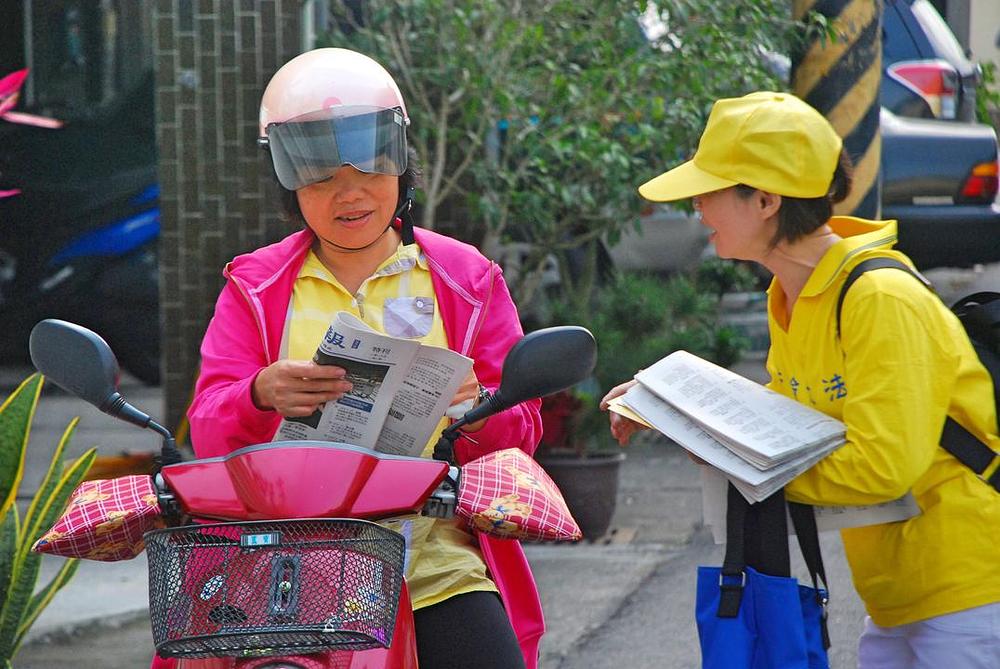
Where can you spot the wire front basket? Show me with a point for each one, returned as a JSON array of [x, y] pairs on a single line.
[[268, 588]]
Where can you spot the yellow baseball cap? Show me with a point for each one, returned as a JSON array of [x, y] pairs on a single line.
[[771, 141]]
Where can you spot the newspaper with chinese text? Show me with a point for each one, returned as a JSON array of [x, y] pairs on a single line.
[[758, 438], [755, 438], [746, 434], [402, 388]]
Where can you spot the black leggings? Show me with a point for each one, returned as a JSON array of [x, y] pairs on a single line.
[[470, 630]]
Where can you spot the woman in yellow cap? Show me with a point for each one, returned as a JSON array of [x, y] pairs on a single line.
[[764, 179]]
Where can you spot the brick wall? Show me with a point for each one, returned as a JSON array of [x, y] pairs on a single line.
[[212, 60]]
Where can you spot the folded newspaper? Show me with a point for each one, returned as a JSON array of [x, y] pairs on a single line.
[[402, 388], [758, 438]]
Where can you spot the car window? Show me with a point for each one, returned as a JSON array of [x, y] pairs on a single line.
[[897, 43], [938, 33]]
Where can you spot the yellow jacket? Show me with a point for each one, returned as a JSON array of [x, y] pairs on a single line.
[[903, 365]]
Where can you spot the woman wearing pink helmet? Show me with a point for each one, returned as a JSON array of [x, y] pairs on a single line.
[[334, 123]]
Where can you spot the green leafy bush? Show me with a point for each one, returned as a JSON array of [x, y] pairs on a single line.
[[638, 318], [18, 565]]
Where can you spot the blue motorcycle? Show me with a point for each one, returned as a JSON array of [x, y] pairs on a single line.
[[79, 228]]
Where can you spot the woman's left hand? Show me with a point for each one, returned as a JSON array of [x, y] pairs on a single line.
[[465, 399]]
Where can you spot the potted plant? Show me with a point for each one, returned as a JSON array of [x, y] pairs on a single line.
[[637, 318]]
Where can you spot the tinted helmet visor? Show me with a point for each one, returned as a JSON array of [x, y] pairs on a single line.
[[310, 148]]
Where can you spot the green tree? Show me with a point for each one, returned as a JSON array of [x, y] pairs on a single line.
[[535, 121]]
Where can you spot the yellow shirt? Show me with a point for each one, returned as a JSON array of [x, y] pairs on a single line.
[[397, 299], [903, 364]]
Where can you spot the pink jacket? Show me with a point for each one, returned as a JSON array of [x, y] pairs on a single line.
[[472, 297]]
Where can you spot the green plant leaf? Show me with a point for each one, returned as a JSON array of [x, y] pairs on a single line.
[[22, 584], [42, 598], [46, 507], [43, 498], [15, 426], [8, 550], [56, 502]]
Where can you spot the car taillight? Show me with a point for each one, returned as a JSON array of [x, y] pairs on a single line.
[[981, 185], [936, 81]]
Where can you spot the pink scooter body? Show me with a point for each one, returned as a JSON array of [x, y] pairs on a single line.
[[309, 479], [303, 479]]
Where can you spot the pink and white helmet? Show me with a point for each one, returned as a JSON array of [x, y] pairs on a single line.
[[332, 107]]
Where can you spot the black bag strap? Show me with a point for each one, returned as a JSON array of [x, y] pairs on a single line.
[[955, 439], [732, 578], [970, 451], [757, 536], [804, 521]]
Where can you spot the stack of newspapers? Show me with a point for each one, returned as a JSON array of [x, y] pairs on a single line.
[[760, 440]]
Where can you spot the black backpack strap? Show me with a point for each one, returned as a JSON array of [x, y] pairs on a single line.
[[970, 451], [955, 439], [870, 264]]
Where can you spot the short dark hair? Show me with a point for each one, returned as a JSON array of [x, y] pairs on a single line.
[[409, 178], [799, 216]]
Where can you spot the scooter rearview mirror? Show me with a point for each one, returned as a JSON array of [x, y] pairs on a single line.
[[543, 362], [79, 361], [75, 359]]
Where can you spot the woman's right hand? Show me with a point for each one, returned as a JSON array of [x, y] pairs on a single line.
[[297, 388], [622, 428]]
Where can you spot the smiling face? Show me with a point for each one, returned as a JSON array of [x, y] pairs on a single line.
[[742, 227], [350, 209]]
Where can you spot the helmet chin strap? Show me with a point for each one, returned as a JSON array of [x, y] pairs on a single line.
[[402, 212]]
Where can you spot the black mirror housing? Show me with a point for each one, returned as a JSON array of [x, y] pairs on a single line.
[[546, 361], [75, 359], [541, 363]]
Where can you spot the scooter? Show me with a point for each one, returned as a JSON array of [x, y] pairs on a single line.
[[79, 227], [285, 568]]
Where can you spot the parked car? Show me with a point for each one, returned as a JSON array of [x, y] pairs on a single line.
[[939, 166], [925, 72], [939, 181]]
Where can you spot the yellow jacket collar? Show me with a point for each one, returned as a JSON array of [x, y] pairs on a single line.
[[859, 235], [406, 257]]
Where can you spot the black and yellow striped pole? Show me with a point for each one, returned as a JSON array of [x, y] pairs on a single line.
[[840, 78]]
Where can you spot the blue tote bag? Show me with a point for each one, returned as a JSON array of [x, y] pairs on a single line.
[[749, 619]]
